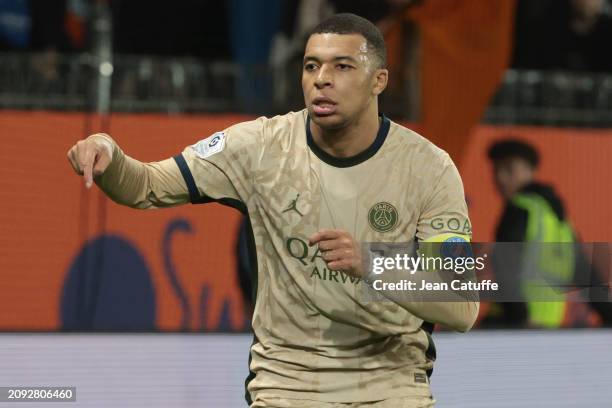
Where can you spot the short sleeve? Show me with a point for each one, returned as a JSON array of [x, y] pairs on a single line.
[[221, 167], [444, 213]]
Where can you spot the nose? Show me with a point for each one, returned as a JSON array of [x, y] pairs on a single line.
[[324, 78]]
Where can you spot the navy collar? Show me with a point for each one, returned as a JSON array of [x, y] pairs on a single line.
[[383, 130]]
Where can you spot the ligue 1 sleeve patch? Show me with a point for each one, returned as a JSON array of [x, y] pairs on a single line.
[[209, 146]]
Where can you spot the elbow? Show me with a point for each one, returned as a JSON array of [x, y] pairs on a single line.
[[463, 327], [467, 318]]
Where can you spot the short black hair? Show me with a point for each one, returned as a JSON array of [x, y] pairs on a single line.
[[514, 148], [348, 23]]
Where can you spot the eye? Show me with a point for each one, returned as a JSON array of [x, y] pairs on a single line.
[[344, 67], [310, 66]]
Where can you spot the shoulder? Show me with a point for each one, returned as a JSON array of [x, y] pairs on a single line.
[[417, 149], [270, 128], [285, 121], [263, 131], [282, 128], [270, 125]]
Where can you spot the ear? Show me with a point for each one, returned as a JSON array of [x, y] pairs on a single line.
[[380, 80]]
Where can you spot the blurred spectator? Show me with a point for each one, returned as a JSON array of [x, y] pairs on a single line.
[[253, 26], [535, 216], [76, 21], [15, 24], [43, 25], [568, 34], [46, 27], [590, 36]]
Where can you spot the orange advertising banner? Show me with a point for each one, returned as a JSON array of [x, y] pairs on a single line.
[[69, 257]]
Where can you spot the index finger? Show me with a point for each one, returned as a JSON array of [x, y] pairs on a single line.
[[88, 169], [324, 235], [88, 174]]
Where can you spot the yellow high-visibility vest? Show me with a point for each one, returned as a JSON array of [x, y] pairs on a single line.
[[550, 253]]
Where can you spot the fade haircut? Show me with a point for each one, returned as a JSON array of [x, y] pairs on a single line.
[[348, 23]]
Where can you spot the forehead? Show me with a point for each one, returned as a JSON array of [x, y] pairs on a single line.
[[510, 162], [328, 46]]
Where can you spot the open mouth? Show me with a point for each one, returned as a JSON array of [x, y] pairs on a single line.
[[323, 106]]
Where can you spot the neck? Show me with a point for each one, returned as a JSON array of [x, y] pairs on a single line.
[[350, 140]]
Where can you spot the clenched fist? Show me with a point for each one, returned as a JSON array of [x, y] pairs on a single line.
[[91, 157], [340, 251]]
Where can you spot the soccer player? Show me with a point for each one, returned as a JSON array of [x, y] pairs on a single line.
[[315, 184]]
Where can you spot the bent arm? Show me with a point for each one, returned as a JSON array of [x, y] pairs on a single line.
[[444, 218], [130, 182]]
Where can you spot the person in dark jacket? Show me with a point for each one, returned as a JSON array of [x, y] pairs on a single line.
[[534, 216]]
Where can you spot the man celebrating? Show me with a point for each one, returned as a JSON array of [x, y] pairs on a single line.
[[348, 175]]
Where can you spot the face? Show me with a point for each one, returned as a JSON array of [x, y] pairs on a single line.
[[340, 79], [588, 8], [511, 175]]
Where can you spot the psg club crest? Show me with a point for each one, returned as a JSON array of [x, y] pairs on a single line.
[[383, 217]]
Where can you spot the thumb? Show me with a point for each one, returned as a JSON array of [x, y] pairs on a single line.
[[101, 163]]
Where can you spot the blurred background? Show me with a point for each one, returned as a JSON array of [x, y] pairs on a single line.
[[78, 273]]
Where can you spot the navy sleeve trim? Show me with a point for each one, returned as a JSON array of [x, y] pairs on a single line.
[[194, 195]]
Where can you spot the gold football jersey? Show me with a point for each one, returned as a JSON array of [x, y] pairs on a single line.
[[315, 337]]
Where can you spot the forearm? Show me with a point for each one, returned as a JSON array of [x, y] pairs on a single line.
[[459, 316], [456, 309], [130, 182]]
